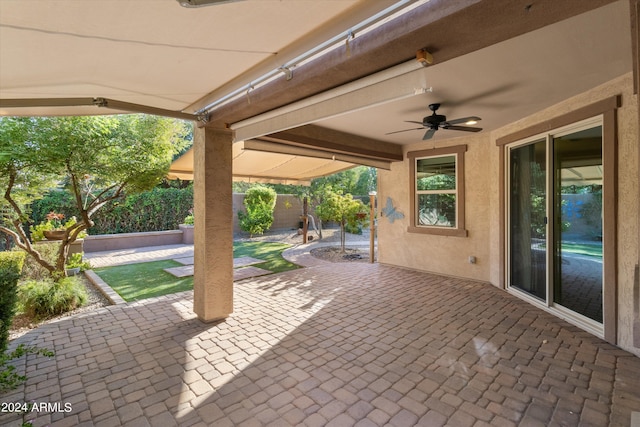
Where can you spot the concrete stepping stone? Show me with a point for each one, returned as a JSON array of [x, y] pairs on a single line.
[[237, 262], [185, 260], [238, 273], [184, 271], [245, 261], [247, 272]]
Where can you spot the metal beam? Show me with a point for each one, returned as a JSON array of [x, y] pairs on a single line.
[[336, 142], [97, 102]]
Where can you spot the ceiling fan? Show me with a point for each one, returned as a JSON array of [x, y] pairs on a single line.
[[437, 121]]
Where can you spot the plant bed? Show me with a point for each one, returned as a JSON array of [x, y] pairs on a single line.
[[334, 254], [22, 323]]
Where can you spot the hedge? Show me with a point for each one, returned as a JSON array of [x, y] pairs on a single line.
[[11, 263], [155, 210], [12, 260]]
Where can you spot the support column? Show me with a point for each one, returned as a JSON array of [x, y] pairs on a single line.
[[213, 228], [372, 226]]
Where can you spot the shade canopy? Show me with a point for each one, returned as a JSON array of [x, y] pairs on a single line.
[[251, 165], [58, 56]]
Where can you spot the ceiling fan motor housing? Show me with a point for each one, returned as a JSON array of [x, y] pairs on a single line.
[[434, 120]]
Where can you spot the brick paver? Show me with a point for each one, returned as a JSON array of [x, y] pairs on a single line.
[[338, 344]]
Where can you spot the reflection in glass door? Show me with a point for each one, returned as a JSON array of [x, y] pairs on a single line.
[[577, 245], [555, 227], [528, 265]]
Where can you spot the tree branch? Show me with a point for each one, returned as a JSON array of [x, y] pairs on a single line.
[[18, 234]]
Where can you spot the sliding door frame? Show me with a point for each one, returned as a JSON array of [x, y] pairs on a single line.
[[606, 109]]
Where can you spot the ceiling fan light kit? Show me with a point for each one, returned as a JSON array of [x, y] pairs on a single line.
[[438, 121]]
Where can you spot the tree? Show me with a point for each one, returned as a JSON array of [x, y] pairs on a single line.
[[358, 181], [97, 159], [344, 210], [259, 201]]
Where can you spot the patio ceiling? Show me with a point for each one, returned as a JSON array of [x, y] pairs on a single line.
[[501, 60], [154, 52], [502, 82]]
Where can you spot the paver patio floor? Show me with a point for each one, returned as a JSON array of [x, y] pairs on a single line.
[[337, 344]]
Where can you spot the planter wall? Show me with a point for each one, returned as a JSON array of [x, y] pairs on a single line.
[[187, 234], [111, 242]]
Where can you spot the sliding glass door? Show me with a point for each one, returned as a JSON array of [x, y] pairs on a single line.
[[554, 249], [577, 279], [528, 218]]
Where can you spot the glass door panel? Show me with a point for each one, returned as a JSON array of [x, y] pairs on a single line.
[[527, 219], [577, 245]]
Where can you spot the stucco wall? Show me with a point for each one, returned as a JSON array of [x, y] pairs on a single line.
[[285, 215], [440, 254], [449, 255]]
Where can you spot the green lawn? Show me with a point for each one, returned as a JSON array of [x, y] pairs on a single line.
[[270, 252], [148, 279], [144, 280], [581, 248]]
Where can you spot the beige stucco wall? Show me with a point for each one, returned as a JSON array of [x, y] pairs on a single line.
[[285, 215], [440, 254], [448, 255]]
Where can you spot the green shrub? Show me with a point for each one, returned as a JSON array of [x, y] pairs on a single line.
[[189, 219], [155, 210], [37, 231], [46, 298], [56, 201], [34, 271], [11, 263], [9, 378], [259, 201], [12, 260], [74, 261]]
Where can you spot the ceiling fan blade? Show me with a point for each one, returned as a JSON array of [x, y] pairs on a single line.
[[429, 134], [464, 120], [412, 121], [405, 130], [462, 128]]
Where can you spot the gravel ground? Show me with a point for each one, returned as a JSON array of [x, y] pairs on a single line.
[[334, 254]]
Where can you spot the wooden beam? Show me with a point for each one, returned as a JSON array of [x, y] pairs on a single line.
[[293, 150], [324, 139], [446, 28]]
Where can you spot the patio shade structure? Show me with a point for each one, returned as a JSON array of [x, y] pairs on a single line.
[[305, 79], [272, 167]]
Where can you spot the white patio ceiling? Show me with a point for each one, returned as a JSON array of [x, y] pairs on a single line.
[[155, 52]]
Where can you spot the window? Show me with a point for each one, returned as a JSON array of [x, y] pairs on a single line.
[[437, 187]]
